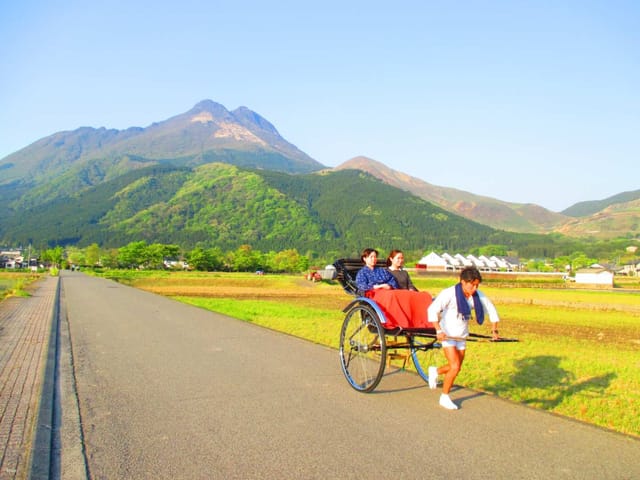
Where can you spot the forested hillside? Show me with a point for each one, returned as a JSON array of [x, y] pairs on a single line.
[[328, 214], [226, 206], [583, 209]]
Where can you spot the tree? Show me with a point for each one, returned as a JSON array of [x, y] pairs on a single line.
[[109, 258], [155, 255], [580, 260], [286, 261], [493, 250], [76, 256], [54, 255], [560, 264], [245, 259], [200, 259], [92, 255], [133, 255]]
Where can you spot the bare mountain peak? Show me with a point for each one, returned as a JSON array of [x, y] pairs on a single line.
[[251, 120], [210, 112], [202, 117], [211, 107], [381, 171], [205, 133], [361, 161]]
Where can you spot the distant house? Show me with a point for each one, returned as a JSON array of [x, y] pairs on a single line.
[[631, 269], [452, 263], [502, 263], [447, 262], [11, 258], [175, 264], [433, 261], [490, 264], [479, 263], [594, 276]]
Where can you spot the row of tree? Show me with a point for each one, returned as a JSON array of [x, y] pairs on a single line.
[[141, 255]]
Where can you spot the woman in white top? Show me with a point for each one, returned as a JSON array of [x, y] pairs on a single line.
[[450, 313]]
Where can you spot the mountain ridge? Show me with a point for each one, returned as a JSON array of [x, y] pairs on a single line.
[[482, 209], [65, 164], [590, 207], [208, 130]]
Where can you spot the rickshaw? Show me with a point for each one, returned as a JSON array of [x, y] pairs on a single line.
[[370, 339]]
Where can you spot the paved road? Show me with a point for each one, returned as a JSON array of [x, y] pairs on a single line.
[[165, 390]]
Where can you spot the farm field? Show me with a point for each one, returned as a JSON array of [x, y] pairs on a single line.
[[578, 354]]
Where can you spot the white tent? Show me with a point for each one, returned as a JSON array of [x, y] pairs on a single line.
[[433, 261]]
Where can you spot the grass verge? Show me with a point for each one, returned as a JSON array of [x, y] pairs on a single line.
[[16, 284]]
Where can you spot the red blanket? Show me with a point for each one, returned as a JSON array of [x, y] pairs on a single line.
[[403, 308]]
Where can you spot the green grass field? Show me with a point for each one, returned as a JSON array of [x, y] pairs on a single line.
[[578, 354], [16, 283]]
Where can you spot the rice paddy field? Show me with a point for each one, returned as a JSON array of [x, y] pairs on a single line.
[[578, 353]]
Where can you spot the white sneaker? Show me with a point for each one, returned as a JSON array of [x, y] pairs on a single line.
[[446, 402], [433, 377]]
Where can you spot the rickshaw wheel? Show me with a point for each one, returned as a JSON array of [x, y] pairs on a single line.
[[426, 352], [362, 348]]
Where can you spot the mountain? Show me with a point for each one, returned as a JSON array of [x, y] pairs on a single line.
[[619, 219], [584, 209], [225, 206], [66, 162], [488, 211], [224, 178]]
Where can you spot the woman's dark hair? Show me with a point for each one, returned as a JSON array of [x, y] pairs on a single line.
[[470, 274], [366, 252], [392, 254]]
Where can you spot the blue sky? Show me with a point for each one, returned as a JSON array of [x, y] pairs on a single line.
[[523, 101]]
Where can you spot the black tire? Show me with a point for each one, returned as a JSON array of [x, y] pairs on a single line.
[[362, 348], [426, 352]]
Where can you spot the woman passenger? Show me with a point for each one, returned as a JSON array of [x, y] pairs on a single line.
[[395, 264], [371, 277]]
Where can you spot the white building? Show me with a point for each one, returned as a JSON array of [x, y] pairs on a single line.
[[433, 261], [452, 262], [595, 276], [436, 262], [464, 261], [632, 269], [490, 264], [476, 262], [500, 263]]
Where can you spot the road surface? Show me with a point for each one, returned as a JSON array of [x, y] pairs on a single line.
[[155, 389]]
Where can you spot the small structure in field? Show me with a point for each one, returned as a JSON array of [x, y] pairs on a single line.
[[595, 276]]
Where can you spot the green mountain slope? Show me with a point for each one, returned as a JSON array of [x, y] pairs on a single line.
[[584, 209], [488, 211], [226, 206], [362, 211], [616, 220]]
